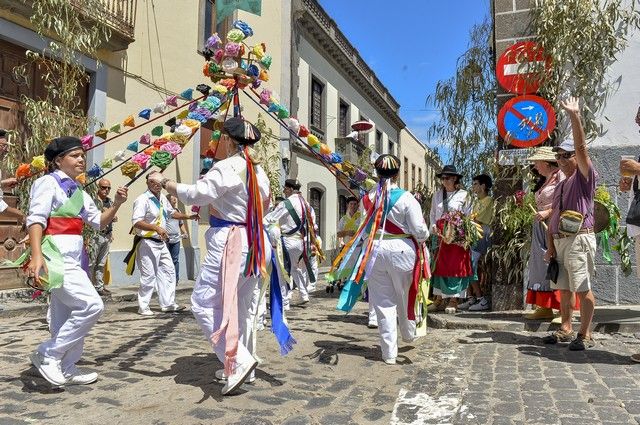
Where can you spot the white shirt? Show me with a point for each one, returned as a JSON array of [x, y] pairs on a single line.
[[3, 205], [407, 215], [145, 209], [632, 230], [224, 187], [47, 196], [343, 221], [458, 200], [280, 215]]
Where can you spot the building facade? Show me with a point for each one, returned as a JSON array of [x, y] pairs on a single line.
[[416, 171]]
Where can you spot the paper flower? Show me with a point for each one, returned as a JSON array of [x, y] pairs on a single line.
[[173, 148], [213, 42], [87, 142], [130, 169], [229, 83], [216, 135], [292, 124], [229, 64], [159, 142], [325, 149], [264, 76], [258, 51], [159, 108], [244, 27], [266, 63], [303, 132], [157, 131], [82, 178], [145, 113], [312, 140], [102, 133], [23, 171], [115, 128], [195, 209], [207, 163], [218, 56], [119, 156], [204, 89], [38, 163], [193, 124], [211, 69], [129, 121], [235, 35], [232, 49], [283, 112], [180, 139], [182, 115], [150, 150], [273, 107], [133, 146], [256, 84], [141, 159], [219, 88], [161, 159], [187, 94], [94, 171], [145, 139], [265, 96], [336, 159], [253, 71], [107, 163], [198, 117], [212, 103], [171, 101], [183, 130]]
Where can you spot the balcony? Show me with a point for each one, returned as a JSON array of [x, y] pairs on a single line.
[[118, 15], [350, 149]]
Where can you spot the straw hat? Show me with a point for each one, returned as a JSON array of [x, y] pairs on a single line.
[[544, 153]]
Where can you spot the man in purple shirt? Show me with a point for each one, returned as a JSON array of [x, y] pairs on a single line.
[[575, 253]]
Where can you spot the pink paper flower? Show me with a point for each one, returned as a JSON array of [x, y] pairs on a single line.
[[141, 159], [173, 148]]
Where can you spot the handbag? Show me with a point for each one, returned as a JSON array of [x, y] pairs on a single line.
[[570, 220], [633, 216], [553, 270]]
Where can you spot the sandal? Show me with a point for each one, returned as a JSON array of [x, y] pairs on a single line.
[[559, 336], [581, 343], [635, 358]]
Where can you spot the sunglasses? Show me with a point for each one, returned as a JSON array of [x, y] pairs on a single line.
[[565, 155], [105, 187], [448, 177]]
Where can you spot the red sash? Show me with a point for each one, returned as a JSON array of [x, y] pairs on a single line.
[[64, 226]]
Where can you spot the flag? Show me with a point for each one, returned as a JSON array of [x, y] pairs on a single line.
[[225, 8]]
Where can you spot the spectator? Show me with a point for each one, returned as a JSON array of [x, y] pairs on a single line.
[[571, 241], [176, 231], [7, 184], [102, 239]]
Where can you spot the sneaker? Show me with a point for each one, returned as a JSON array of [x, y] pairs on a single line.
[[76, 377], [238, 377], [103, 292], [409, 340], [260, 327], [468, 303], [540, 313], [581, 343], [481, 305], [559, 336], [146, 312], [49, 368], [450, 310], [305, 300], [635, 358], [372, 324], [172, 309], [222, 377], [390, 361]]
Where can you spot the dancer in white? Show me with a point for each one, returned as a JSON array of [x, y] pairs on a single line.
[[57, 211]]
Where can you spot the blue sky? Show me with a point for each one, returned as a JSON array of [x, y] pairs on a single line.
[[410, 47]]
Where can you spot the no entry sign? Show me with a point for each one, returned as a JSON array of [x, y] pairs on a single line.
[[520, 67], [526, 121]]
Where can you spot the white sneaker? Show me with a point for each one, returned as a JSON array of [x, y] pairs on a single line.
[[390, 361], [260, 327], [465, 305], [49, 368], [450, 310], [305, 300], [239, 375], [146, 312], [76, 377], [172, 309], [372, 324], [287, 307], [222, 377], [481, 305]]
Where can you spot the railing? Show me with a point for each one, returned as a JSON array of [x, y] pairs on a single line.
[[349, 149], [118, 15]]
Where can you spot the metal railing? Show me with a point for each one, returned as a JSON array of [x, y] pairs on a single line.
[[118, 15]]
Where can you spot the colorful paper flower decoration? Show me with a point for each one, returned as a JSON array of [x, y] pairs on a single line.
[[95, 171], [141, 159], [130, 169], [129, 121], [161, 159], [145, 113], [87, 142], [145, 139], [173, 148], [133, 146], [38, 163], [244, 27]]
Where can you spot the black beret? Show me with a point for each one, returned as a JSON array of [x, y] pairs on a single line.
[[60, 146], [292, 184], [3, 132], [241, 131], [352, 199], [387, 165]]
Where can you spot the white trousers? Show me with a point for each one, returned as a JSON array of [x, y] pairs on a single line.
[[389, 284], [156, 272], [299, 273], [207, 301], [74, 309]]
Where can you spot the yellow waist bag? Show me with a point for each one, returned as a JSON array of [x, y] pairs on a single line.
[[570, 220]]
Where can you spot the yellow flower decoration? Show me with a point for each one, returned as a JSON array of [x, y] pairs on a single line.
[[38, 163]]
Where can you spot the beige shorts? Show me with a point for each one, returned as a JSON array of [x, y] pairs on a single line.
[[576, 258]]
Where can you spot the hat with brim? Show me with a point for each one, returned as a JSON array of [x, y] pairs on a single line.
[[449, 170], [544, 153], [242, 131], [60, 146], [567, 146], [292, 184]]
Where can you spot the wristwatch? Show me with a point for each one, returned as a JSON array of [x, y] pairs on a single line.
[[164, 182]]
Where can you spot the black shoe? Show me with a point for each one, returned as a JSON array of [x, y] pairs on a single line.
[[558, 336], [581, 343]]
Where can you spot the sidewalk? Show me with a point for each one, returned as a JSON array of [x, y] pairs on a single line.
[[14, 307], [607, 319]]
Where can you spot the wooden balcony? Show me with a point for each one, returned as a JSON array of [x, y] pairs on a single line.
[[118, 15]]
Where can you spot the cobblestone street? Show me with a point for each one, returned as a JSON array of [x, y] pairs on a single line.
[[159, 370]]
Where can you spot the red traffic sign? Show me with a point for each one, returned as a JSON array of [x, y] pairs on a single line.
[[526, 121], [521, 66]]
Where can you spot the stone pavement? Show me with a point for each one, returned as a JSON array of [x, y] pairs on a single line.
[[159, 370]]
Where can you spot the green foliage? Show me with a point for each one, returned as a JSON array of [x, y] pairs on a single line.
[[268, 152], [467, 106], [364, 161], [583, 39]]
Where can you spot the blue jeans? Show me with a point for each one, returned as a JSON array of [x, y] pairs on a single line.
[[174, 250]]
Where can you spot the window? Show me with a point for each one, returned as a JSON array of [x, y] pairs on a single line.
[[315, 200], [363, 137], [343, 119], [379, 141], [317, 90], [342, 206], [406, 173], [413, 176], [419, 175], [209, 25], [392, 148]]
